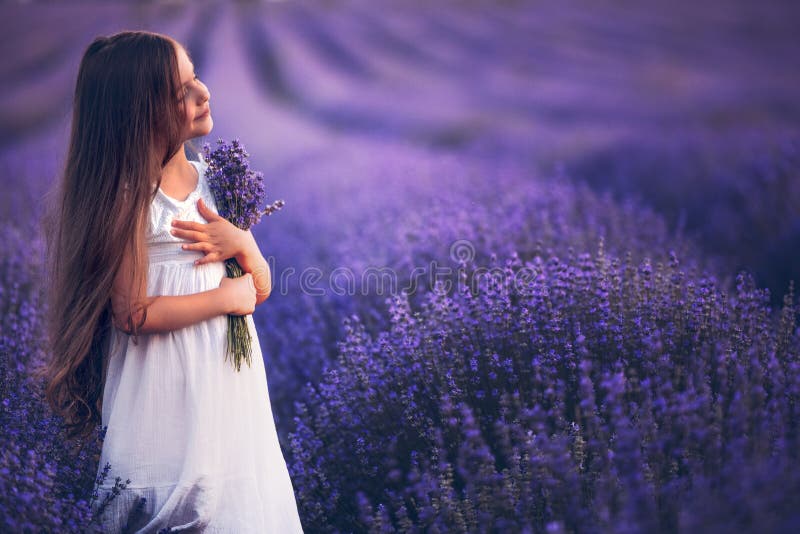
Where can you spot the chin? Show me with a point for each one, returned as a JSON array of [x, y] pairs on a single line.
[[205, 129]]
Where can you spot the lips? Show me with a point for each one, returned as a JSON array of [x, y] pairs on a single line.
[[204, 114]]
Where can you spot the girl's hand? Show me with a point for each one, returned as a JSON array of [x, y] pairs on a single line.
[[240, 294], [219, 238]]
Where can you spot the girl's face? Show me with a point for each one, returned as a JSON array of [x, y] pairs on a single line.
[[194, 98]]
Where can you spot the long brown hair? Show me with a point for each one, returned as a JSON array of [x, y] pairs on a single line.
[[126, 125]]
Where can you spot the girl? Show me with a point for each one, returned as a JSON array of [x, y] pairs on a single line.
[[137, 324]]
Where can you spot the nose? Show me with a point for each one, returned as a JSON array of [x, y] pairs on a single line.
[[205, 94]]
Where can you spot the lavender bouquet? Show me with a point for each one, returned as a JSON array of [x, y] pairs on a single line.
[[239, 194]]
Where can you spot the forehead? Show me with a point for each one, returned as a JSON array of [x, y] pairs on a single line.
[[185, 65]]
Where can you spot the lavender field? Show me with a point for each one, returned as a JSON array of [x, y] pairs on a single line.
[[536, 271]]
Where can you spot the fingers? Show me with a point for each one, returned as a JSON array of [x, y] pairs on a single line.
[[208, 258], [207, 213], [202, 246], [189, 234], [187, 225], [211, 254]]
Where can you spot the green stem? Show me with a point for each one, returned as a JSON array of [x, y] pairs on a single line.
[[239, 346]]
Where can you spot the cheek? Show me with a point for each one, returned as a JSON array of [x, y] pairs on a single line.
[[187, 121], [184, 113]]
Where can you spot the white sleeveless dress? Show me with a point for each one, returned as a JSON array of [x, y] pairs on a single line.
[[195, 437]]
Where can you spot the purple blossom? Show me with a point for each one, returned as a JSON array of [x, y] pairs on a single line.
[[239, 191]]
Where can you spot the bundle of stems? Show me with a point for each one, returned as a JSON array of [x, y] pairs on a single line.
[[239, 339]]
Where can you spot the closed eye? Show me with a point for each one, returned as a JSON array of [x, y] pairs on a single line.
[[186, 89]]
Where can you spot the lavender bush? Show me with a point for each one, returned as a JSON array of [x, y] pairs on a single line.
[[426, 202], [600, 395], [45, 480]]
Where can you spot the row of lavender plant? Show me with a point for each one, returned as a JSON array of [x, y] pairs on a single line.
[[736, 192], [424, 205], [45, 481], [602, 395]]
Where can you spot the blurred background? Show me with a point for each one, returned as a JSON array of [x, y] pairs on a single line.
[[367, 117], [691, 108]]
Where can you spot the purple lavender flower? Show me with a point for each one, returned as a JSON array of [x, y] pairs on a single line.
[[238, 190]]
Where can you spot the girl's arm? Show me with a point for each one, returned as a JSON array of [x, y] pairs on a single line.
[[166, 313], [252, 261]]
